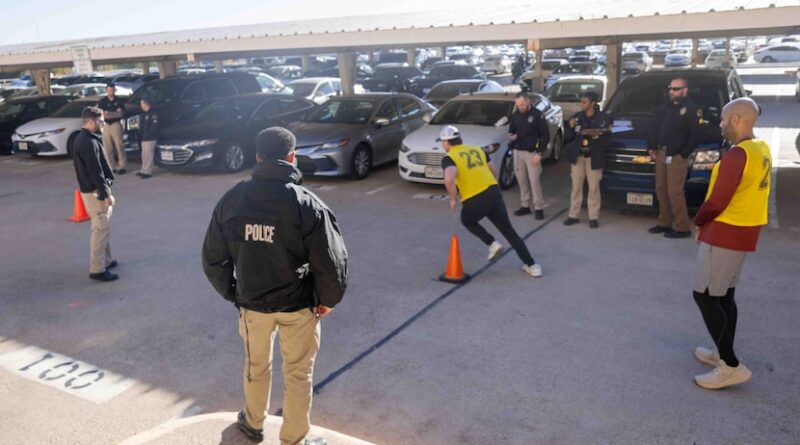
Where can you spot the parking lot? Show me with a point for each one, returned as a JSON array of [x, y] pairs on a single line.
[[599, 350]]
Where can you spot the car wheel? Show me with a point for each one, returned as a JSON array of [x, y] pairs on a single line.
[[233, 157], [767, 59], [70, 141], [507, 177], [558, 143], [361, 163]]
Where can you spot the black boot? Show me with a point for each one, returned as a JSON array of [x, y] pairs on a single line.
[[522, 211], [251, 433]]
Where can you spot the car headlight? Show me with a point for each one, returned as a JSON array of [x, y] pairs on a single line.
[[53, 132], [491, 148], [705, 160], [202, 143], [133, 123], [334, 144], [404, 148]]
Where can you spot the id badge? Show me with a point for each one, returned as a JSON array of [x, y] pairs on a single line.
[[669, 160]]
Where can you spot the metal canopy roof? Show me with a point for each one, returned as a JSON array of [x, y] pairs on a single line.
[[552, 23]]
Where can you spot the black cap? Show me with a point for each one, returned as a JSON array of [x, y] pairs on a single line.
[[275, 143]]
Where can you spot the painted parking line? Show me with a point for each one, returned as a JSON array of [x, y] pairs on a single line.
[[65, 374], [21, 162], [320, 187], [378, 190]]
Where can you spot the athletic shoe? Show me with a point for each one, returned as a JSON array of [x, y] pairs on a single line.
[[122, 171], [144, 175], [251, 433], [495, 250], [103, 276], [571, 221], [534, 271], [723, 376], [707, 356], [539, 215], [522, 211], [593, 224], [655, 230], [674, 234]]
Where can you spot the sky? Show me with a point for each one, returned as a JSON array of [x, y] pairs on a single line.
[[28, 21]]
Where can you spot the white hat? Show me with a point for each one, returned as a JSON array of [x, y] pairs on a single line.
[[448, 132]]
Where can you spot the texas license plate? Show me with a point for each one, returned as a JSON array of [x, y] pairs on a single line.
[[22, 146], [167, 155], [434, 172], [640, 199]]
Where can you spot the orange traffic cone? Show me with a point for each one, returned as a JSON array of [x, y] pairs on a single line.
[[79, 213], [454, 272]]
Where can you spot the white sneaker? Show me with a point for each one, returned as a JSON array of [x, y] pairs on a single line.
[[495, 250], [534, 271], [707, 356], [723, 376]]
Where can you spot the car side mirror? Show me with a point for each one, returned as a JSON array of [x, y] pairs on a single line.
[[381, 122], [427, 118]]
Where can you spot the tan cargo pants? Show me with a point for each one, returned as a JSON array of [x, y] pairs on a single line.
[[529, 179], [99, 246], [582, 171], [299, 342], [670, 180], [112, 142]]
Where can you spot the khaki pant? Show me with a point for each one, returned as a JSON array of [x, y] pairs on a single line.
[[99, 246], [299, 342], [112, 141], [670, 180], [148, 155], [529, 179], [581, 171]]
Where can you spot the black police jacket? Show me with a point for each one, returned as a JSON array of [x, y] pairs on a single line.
[[531, 130], [273, 246], [576, 143], [148, 126], [678, 127], [91, 166]]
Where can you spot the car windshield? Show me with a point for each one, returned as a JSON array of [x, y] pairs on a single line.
[[9, 111], [643, 97], [574, 69], [302, 89], [159, 93], [571, 91], [72, 109], [392, 72], [550, 65], [342, 112], [448, 90], [472, 112], [453, 71]]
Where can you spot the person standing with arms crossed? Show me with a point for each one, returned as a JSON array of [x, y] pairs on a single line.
[[728, 226], [469, 172], [113, 108], [148, 133], [95, 179], [529, 136], [673, 137], [274, 250], [587, 137]]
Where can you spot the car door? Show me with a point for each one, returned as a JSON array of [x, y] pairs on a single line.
[[411, 113], [387, 138]]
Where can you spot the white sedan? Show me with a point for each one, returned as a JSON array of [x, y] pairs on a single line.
[[783, 52], [720, 58], [482, 120], [318, 89], [52, 135]]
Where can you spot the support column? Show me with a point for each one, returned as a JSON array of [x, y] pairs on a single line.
[[145, 68], [167, 68], [305, 62], [411, 56], [347, 72], [613, 67], [441, 52], [695, 52], [535, 45], [218, 66], [41, 77], [371, 57]]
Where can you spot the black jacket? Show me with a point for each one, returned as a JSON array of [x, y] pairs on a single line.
[[273, 246], [678, 127], [531, 130], [148, 126], [91, 166], [596, 147]]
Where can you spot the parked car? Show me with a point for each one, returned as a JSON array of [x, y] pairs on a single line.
[[583, 55], [548, 65], [176, 97], [390, 77], [317, 89], [24, 80], [268, 83], [720, 58], [85, 90], [636, 62], [79, 78], [223, 133], [444, 91], [468, 58], [420, 85], [629, 175], [565, 92], [363, 71], [483, 121], [285, 73], [349, 135], [678, 58], [497, 64], [128, 84], [786, 52], [52, 135], [16, 112], [429, 62], [385, 57], [573, 69]]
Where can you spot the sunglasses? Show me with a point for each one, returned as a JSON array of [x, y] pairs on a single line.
[[675, 88]]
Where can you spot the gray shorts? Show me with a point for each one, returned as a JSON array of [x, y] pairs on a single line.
[[718, 269]]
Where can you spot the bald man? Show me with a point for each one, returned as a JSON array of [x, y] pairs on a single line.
[[728, 225]]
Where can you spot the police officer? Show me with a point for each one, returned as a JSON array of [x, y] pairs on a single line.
[[469, 172], [148, 134], [529, 136], [274, 250], [113, 110], [586, 138], [728, 226], [95, 179], [674, 135]]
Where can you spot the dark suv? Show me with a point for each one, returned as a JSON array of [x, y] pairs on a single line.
[[175, 98], [421, 85], [629, 175]]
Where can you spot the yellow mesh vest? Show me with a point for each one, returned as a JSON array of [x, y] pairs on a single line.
[[749, 204], [474, 174]]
